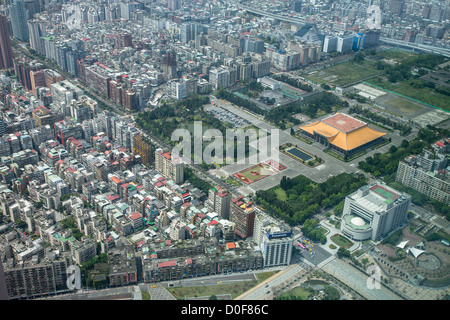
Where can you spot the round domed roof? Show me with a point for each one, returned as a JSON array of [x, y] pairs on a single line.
[[357, 221]]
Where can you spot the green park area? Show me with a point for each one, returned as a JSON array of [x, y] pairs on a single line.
[[417, 89], [341, 241], [298, 293], [344, 73], [297, 199], [396, 71]]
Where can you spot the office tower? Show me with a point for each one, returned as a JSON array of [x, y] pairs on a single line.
[[275, 240], [373, 211], [344, 43], [6, 60], [371, 38], [330, 44], [19, 20], [358, 42]]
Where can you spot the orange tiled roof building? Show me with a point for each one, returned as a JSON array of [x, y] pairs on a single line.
[[343, 134]]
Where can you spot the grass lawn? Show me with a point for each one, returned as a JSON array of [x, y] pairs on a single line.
[[261, 276], [281, 194], [234, 289], [341, 241], [299, 292], [344, 73], [396, 54], [145, 295], [425, 95], [402, 106]]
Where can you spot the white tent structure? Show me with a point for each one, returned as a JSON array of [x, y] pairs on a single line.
[[415, 252], [402, 245]]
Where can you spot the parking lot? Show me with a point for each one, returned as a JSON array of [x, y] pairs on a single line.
[[226, 116]]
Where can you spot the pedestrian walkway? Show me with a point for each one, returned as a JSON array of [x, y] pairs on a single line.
[[137, 294]]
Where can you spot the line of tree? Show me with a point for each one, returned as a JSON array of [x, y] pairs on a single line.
[[196, 181], [312, 231], [323, 101], [403, 128], [241, 102], [297, 83]]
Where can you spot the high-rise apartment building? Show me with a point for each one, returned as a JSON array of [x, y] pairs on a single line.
[[30, 280], [174, 4], [426, 174], [243, 215], [168, 167], [36, 30], [3, 289], [189, 31], [142, 148], [219, 201]]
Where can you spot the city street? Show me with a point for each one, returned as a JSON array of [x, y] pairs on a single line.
[[263, 291], [357, 280]]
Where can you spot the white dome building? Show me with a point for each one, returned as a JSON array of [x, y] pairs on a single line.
[[373, 212]]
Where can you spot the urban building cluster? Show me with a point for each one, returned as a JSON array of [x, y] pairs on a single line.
[[80, 182], [427, 173]]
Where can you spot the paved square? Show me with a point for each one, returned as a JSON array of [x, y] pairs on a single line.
[[259, 171]]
